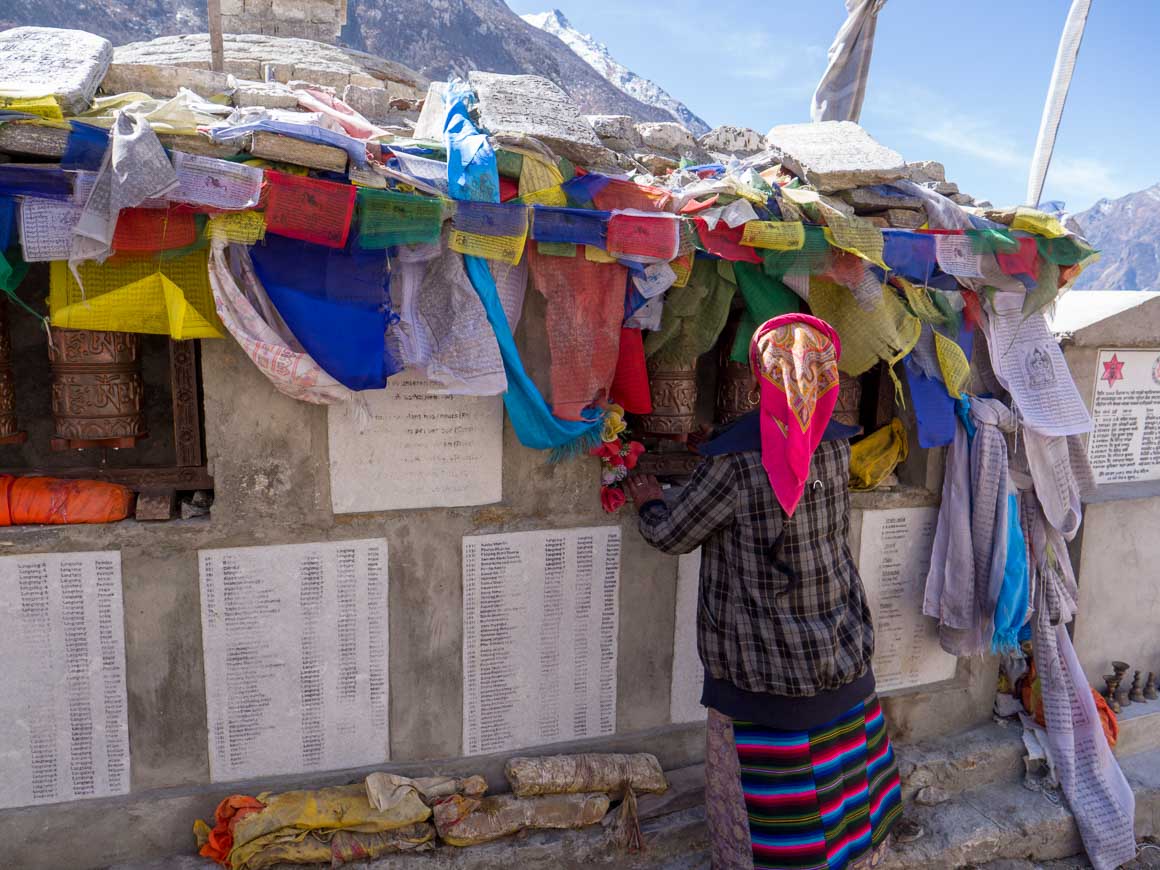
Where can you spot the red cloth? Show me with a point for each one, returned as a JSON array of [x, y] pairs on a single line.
[[1026, 262], [154, 229], [619, 194], [643, 236], [725, 242], [583, 320], [630, 387], [509, 188], [309, 209]]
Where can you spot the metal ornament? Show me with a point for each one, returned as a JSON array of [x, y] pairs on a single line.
[[1150, 692], [1137, 693]]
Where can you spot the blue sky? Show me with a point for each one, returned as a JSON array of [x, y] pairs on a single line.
[[959, 82]]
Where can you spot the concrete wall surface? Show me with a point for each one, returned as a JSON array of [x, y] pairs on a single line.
[[268, 455]]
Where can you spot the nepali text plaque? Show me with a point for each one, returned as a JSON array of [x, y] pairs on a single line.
[[296, 644], [540, 615], [894, 559], [65, 731], [1124, 446], [417, 449]]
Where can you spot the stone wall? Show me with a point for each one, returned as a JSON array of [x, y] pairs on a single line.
[[320, 20], [268, 455]]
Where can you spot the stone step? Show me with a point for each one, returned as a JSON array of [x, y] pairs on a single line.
[[1004, 821], [1139, 728], [988, 754]]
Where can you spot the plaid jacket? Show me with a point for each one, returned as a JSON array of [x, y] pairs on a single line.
[[781, 607]]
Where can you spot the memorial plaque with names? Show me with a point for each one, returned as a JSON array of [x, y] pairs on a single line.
[[296, 641], [65, 732], [688, 672], [540, 615], [1124, 446], [893, 560], [418, 450]]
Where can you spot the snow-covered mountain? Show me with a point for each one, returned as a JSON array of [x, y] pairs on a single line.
[[1127, 233], [596, 55]]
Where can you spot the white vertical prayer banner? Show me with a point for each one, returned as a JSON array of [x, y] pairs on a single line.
[[419, 449], [296, 647], [894, 559], [65, 732], [540, 617]]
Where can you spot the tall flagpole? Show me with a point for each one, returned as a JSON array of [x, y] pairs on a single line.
[[1056, 97]]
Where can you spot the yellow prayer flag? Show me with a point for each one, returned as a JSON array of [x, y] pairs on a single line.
[[683, 267], [887, 332], [956, 370], [918, 298], [136, 294], [239, 227], [506, 249], [1031, 220], [597, 255], [43, 106], [553, 196], [857, 236], [774, 235]]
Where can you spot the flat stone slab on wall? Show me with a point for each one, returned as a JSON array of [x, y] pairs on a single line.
[[69, 64], [538, 108], [835, 155]]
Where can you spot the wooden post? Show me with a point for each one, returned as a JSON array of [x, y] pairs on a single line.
[[213, 14]]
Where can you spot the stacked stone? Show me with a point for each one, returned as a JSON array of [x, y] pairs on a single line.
[[320, 20]]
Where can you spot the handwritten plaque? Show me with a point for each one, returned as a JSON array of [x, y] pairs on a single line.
[[417, 450]]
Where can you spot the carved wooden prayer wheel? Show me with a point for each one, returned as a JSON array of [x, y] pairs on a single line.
[[848, 409], [674, 400], [9, 432], [97, 391]]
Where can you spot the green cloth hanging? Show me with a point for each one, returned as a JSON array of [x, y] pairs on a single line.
[[765, 297], [693, 317]]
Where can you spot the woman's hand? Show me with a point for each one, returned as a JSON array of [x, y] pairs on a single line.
[[643, 488]]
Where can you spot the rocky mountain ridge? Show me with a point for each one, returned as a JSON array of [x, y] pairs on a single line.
[[1127, 233], [597, 55]]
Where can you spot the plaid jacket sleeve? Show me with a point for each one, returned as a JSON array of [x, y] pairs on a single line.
[[707, 505]]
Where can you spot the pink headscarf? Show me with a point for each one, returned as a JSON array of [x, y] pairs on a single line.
[[795, 360]]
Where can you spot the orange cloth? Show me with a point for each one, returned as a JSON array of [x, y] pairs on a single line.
[[220, 838], [49, 501], [1032, 696]]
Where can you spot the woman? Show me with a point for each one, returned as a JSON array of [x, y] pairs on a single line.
[[796, 737]]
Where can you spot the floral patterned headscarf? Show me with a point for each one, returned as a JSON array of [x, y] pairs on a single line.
[[795, 360]]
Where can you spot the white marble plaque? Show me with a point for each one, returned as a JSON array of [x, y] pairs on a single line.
[[417, 450], [296, 641], [64, 730], [1124, 446], [540, 613], [688, 672], [893, 560]]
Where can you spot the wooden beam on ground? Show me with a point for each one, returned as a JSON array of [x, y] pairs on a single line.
[[213, 14]]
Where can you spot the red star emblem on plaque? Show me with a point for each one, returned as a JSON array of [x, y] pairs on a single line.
[[1113, 371]]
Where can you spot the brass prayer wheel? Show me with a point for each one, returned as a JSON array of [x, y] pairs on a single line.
[[9, 431], [674, 400], [97, 391], [734, 392], [848, 408]]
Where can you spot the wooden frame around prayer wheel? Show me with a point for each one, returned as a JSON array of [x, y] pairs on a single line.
[[10, 432], [98, 395]]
